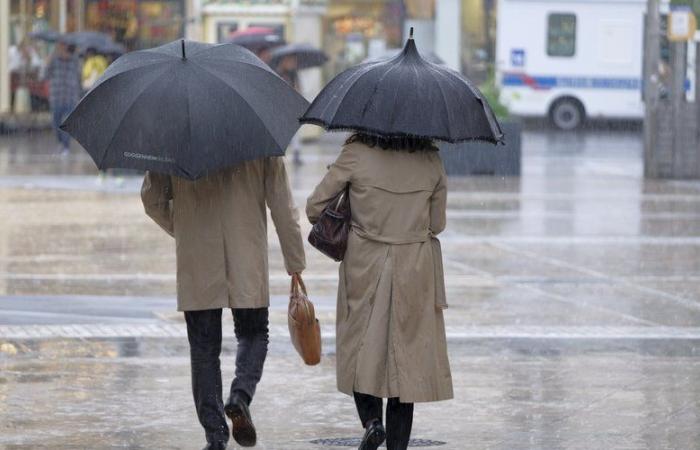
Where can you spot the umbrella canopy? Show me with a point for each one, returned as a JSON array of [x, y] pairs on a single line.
[[306, 55], [186, 109], [405, 96], [257, 38]]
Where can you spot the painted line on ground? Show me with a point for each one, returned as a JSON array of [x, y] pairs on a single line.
[[167, 330]]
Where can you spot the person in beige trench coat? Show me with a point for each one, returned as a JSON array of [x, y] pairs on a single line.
[[220, 228], [390, 329]]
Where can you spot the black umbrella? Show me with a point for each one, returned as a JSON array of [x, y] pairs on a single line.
[[306, 55], [405, 96], [257, 38], [186, 109]]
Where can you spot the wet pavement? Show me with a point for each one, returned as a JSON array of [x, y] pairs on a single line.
[[574, 318]]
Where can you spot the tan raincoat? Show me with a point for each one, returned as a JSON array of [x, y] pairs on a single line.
[[390, 328], [220, 227]]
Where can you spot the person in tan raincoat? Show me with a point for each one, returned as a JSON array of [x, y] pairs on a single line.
[[220, 228], [390, 330]]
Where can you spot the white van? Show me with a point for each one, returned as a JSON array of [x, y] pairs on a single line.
[[571, 59]]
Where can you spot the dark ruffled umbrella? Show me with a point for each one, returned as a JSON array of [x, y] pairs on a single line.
[[405, 96], [186, 109], [306, 56], [257, 38]]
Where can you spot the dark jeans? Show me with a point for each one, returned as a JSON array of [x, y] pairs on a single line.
[[204, 334], [60, 112], [399, 418]]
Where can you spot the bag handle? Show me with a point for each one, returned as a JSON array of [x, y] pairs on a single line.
[[298, 283], [342, 195]]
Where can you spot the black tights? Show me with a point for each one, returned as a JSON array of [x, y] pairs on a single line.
[[399, 418]]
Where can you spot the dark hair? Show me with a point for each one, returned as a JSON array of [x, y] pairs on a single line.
[[400, 143]]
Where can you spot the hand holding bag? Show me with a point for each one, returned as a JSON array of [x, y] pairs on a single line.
[[330, 232], [304, 328]]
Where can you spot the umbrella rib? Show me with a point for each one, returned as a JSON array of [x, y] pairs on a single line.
[[121, 121], [221, 80], [126, 72], [495, 127], [357, 79], [444, 98]]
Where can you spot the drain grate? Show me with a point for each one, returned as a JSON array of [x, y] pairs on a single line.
[[355, 442]]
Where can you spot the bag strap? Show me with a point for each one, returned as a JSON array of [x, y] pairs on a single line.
[[297, 283]]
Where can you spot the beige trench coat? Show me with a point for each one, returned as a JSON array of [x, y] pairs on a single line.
[[390, 328], [220, 227]]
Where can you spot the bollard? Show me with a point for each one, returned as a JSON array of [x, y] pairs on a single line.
[[678, 107]]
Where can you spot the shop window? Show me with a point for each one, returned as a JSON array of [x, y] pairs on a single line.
[[561, 35]]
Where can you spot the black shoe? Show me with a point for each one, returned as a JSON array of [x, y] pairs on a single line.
[[218, 445], [242, 428], [374, 436]]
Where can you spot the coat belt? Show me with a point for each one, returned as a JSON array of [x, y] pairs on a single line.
[[416, 238]]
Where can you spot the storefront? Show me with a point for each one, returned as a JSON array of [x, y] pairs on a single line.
[[137, 23], [221, 19], [461, 32], [354, 30]]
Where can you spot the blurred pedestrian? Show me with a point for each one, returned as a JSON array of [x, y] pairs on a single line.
[[94, 66], [219, 223], [65, 89], [287, 69]]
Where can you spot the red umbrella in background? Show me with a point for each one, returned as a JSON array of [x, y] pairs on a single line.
[[257, 39]]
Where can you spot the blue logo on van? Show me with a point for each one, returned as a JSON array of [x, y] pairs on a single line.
[[517, 57]]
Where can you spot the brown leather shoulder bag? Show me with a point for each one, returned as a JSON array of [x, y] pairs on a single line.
[[330, 232]]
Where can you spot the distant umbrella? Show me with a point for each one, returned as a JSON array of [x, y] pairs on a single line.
[[405, 96], [111, 48], [431, 57], [186, 109], [45, 35], [257, 38], [88, 39], [306, 55]]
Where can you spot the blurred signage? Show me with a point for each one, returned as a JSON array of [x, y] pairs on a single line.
[[693, 5], [682, 24], [517, 57]]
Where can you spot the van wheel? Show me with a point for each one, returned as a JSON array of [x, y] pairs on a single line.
[[567, 114]]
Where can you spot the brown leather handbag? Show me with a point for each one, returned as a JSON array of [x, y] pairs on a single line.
[[304, 328], [330, 232]]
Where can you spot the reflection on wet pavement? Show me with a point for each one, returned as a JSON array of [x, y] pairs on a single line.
[[574, 315]]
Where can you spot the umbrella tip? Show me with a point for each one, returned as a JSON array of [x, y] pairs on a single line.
[[410, 33], [182, 41]]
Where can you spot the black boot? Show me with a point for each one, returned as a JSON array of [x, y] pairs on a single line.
[[374, 435], [242, 428]]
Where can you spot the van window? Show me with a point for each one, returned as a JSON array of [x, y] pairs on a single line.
[[561, 35]]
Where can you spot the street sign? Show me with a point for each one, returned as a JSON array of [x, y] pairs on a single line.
[[681, 24]]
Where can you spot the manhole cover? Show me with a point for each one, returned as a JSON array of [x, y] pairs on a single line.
[[355, 442]]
